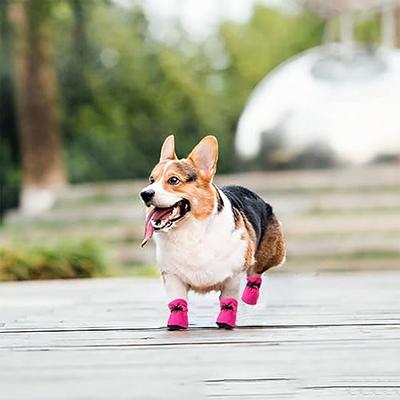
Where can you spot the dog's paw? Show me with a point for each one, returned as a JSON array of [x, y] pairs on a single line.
[[252, 290], [178, 318], [227, 316]]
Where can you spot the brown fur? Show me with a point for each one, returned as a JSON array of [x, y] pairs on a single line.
[[271, 251], [158, 171], [196, 188], [203, 290], [186, 170], [195, 174]]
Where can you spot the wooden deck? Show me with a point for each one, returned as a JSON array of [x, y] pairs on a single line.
[[327, 336]]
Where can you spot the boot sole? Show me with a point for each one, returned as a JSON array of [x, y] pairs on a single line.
[[222, 325], [176, 328]]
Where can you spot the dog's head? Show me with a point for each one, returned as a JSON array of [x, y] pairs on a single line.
[[180, 188]]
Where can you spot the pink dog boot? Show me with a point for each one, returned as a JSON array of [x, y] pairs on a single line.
[[178, 318], [227, 317], [252, 290]]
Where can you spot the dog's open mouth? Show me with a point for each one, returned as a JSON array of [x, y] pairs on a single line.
[[163, 218]]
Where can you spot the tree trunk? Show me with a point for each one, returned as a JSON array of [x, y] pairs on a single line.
[[397, 19], [43, 170]]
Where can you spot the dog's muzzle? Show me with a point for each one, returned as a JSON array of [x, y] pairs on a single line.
[[147, 196]]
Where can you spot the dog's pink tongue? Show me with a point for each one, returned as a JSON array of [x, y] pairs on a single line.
[[148, 232], [154, 215]]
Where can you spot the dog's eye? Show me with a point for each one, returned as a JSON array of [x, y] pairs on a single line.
[[151, 180], [174, 180]]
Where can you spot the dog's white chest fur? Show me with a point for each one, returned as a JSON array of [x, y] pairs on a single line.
[[203, 253]]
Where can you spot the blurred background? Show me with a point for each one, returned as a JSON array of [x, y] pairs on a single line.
[[304, 97]]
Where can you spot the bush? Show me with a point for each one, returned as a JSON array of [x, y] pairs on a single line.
[[65, 261]]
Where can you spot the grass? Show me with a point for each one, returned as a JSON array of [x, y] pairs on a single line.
[[136, 270], [148, 271], [62, 261], [63, 224]]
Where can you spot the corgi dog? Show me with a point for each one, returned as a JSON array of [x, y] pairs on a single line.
[[207, 237]]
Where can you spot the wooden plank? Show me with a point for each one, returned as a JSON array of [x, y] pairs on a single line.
[[325, 336], [287, 299], [334, 336]]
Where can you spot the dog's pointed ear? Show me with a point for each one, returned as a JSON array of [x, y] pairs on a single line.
[[205, 156], [168, 149]]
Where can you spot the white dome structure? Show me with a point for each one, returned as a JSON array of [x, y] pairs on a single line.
[[350, 103]]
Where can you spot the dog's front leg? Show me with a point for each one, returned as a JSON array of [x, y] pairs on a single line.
[[177, 294], [228, 303]]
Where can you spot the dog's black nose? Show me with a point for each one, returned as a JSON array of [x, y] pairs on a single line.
[[147, 195]]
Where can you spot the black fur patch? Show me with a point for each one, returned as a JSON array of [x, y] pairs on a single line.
[[219, 200], [256, 210]]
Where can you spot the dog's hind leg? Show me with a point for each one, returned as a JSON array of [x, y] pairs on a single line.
[[228, 303], [271, 252]]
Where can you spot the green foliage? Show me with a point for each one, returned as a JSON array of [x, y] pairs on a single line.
[[368, 30], [122, 91], [143, 91], [63, 261], [258, 46], [130, 91]]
